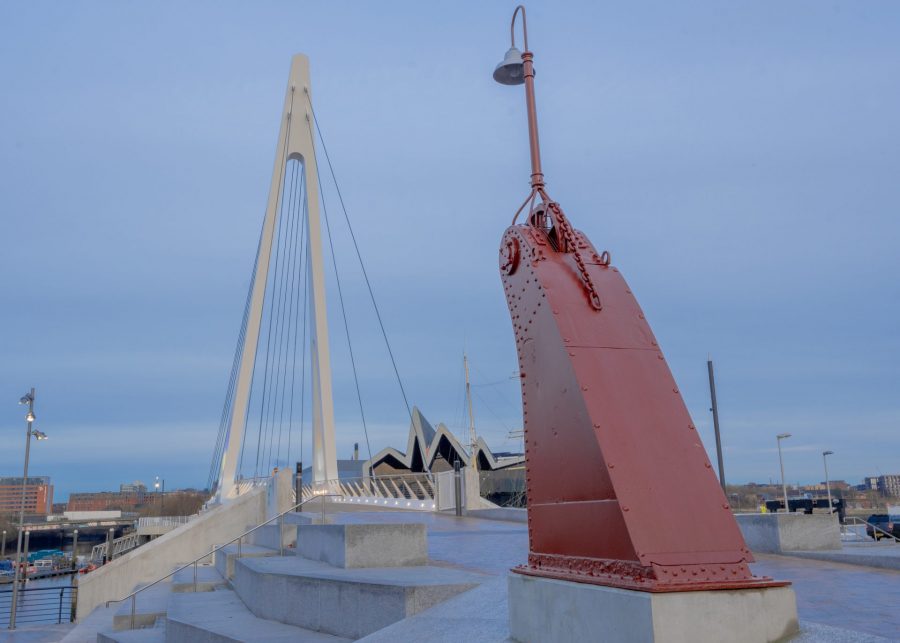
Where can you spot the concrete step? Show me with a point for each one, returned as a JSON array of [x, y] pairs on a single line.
[[144, 635], [221, 617], [226, 556], [343, 602], [149, 605], [267, 536], [364, 544], [208, 579]]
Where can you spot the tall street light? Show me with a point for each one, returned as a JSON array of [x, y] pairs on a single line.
[[782, 436], [825, 455], [162, 495], [30, 432]]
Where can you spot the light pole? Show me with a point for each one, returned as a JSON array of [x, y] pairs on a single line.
[[27, 399], [162, 495], [782, 436], [825, 455]]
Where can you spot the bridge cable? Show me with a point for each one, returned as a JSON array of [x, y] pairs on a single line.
[[284, 319], [274, 315], [279, 193], [341, 299], [227, 406], [295, 270], [359, 256]]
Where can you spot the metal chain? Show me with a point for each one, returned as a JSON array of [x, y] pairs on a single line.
[[568, 237]]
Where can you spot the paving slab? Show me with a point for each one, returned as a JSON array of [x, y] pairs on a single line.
[[143, 635], [221, 617]]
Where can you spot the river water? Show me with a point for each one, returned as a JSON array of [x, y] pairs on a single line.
[[47, 602]]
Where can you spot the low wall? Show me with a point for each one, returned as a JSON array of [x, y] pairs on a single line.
[[787, 532], [160, 556]]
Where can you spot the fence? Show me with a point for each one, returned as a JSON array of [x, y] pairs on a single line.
[[406, 491], [39, 605], [163, 521], [504, 487]]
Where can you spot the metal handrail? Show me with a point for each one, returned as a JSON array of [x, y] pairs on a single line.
[[875, 528], [280, 517]]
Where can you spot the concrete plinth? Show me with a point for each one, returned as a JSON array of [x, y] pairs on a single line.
[[543, 609], [779, 533], [364, 545]]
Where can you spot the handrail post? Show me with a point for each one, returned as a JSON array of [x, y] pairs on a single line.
[[281, 535], [59, 613], [322, 497], [133, 608], [240, 541]]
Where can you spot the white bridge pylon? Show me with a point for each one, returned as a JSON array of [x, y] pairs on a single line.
[[294, 143]]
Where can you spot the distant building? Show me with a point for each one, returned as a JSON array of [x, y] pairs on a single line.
[[135, 487], [38, 495], [889, 485], [106, 501]]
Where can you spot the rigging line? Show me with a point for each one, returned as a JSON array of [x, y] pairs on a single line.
[[274, 316], [283, 313], [299, 266], [229, 393], [292, 264], [303, 362], [358, 254], [279, 193], [243, 335], [341, 299]]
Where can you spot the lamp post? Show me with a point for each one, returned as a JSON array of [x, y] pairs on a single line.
[[161, 494], [517, 68], [825, 455], [783, 436], [27, 399]]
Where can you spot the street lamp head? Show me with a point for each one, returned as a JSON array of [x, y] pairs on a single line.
[[26, 399], [30, 417], [40, 435], [782, 436], [824, 453], [511, 70]]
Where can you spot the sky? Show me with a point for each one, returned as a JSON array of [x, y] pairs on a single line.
[[739, 160]]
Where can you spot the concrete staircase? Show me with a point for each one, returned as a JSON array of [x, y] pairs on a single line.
[[334, 583]]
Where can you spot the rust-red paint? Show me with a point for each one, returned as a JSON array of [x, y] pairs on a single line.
[[620, 489]]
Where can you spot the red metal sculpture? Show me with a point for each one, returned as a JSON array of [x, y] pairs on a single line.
[[620, 489]]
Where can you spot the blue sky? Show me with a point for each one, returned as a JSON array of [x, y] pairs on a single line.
[[739, 160]]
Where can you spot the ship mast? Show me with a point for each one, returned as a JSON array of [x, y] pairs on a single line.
[[472, 437]]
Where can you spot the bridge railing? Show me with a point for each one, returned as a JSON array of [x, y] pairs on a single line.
[[404, 491], [120, 546], [162, 521]]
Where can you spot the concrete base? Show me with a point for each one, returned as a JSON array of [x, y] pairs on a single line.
[[542, 609], [779, 533], [364, 545], [345, 602], [226, 556]]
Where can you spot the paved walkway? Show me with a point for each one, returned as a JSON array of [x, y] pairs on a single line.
[[845, 596]]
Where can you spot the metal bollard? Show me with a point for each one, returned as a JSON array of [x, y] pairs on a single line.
[[457, 487]]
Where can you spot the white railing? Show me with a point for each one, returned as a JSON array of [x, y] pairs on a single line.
[[162, 521], [402, 491], [120, 546]]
